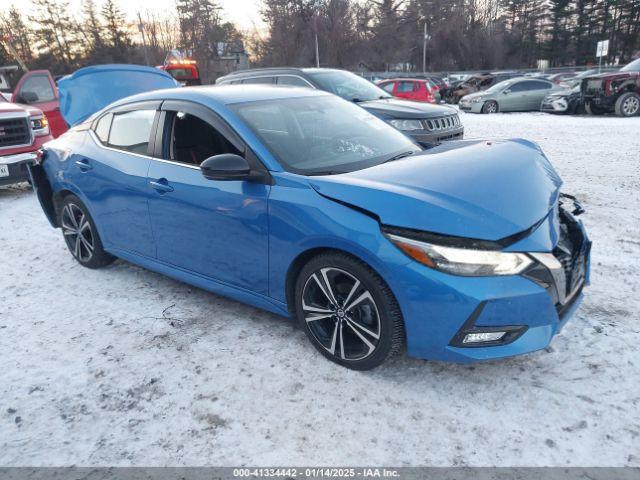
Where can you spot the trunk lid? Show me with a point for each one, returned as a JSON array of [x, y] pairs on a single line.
[[90, 89], [474, 189]]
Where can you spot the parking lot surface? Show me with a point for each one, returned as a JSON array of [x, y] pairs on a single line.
[[122, 366]]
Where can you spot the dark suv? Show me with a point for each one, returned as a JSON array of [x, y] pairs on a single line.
[[425, 123], [615, 92]]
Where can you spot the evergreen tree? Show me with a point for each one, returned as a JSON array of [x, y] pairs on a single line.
[[55, 34], [118, 39]]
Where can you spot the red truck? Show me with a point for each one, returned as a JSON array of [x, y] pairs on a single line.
[[23, 130], [38, 89], [30, 119]]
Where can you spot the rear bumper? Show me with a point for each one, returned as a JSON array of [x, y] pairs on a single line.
[[16, 167]]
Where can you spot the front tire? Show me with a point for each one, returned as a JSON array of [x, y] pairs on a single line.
[[80, 234], [593, 110], [348, 312], [490, 107], [628, 105]]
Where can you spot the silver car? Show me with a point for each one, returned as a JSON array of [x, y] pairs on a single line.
[[514, 95]]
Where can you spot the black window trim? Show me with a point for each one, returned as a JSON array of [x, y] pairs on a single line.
[[216, 121]]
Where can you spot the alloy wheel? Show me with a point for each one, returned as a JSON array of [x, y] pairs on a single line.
[[631, 106], [341, 314], [77, 232], [492, 107]]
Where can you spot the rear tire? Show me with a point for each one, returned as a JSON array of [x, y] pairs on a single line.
[[348, 312], [80, 234], [490, 107], [628, 105]]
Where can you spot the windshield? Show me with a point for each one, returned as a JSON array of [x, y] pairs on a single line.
[[323, 135], [498, 87], [348, 86], [632, 67]]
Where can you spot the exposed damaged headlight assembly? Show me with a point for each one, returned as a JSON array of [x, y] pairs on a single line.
[[462, 261]]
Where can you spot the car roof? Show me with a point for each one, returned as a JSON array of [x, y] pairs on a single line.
[[405, 79], [279, 71], [225, 94]]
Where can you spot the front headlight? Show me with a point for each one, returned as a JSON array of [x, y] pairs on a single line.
[[40, 126], [476, 100], [407, 125], [462, 261]]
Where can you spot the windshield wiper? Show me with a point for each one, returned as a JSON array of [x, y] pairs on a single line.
[[400, 155]]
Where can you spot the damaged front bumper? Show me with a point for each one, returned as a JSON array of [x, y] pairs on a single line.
[[512, 315]]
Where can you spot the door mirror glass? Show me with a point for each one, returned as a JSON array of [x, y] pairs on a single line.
[[226, 166]]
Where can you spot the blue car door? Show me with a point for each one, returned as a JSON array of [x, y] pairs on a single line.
[[113, 176], [218, 229]]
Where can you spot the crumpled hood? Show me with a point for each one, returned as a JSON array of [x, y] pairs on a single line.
[[92, 88], [397, 108], [475, 189]]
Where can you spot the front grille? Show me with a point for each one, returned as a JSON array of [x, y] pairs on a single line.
[[14, 131], [443, 123]]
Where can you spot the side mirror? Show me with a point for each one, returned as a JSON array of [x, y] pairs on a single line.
[[506, 92], [226, 166], [27, 97]]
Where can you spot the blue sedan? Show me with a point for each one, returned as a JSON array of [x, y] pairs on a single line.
[[308, 206]]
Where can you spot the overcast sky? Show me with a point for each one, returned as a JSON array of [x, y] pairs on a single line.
[[244, 13]]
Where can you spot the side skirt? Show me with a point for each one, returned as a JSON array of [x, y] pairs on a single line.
[[206, 283]]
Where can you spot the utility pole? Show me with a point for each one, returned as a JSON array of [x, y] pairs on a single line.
[[144, 41], [315, 25], [424, 49]]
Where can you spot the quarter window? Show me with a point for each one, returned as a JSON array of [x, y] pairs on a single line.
[[130, 131], [102, 127]]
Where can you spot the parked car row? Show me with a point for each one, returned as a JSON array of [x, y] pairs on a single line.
[[616, 92]]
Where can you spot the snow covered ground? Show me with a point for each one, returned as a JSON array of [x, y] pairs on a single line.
[[122, 366]]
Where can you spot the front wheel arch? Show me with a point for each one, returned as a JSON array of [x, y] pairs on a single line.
[[392, 339], [305, 257]]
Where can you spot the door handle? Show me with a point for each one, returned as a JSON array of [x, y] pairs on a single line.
[[84, 164], [161, 185]]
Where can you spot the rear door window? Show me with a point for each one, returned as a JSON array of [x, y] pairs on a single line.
[[130, 131], [405, 87], [292, 81], [263, 80]]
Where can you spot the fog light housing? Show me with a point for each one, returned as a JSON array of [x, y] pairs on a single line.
[[483, 337]]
